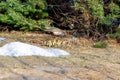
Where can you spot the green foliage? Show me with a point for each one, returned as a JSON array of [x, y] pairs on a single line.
[[102, 17], [80, 5], [92, 7], [96, 8], [114, 35], [24, 14], [114, 14], [100, 45]]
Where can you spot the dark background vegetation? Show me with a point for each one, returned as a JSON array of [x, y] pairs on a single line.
[[98, 19]]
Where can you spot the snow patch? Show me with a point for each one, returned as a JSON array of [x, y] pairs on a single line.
[[22, 49], [2, 39]]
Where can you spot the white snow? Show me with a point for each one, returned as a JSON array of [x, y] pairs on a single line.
[[22, 49], [2, 39]]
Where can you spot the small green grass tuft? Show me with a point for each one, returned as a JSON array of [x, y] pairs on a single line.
[[100, 45], [111, 36]]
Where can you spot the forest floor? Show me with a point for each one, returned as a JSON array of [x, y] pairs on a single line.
[[83, 63]]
